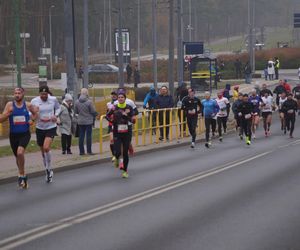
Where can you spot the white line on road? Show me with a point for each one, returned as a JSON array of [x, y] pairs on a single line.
[[36, 233]]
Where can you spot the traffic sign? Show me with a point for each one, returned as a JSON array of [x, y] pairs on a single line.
[[296, 20]]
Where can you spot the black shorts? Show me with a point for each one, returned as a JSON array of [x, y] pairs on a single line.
[[19, 140], [265, 114], [42, 134]]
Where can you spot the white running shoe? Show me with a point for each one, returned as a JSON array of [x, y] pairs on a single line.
[[193, 145]]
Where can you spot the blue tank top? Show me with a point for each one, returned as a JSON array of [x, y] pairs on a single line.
[[19, 119]]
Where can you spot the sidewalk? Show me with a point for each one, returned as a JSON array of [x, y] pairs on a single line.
[[34, 160]]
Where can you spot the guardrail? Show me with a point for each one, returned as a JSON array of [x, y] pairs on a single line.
[[147, 128]]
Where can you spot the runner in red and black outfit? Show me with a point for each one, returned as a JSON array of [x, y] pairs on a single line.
[[121, 115]]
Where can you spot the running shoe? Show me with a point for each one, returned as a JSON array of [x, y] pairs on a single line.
[[49, 175], [253, 135], [291, 136], [22, 182], [284, 131], [248, 142], [125, 175], [266, 134], [113, 159], [220, 138], [206, 145], [193, 145], [241, 137], [121, 165]]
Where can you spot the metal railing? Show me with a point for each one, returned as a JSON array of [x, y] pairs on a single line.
[[146, 130]]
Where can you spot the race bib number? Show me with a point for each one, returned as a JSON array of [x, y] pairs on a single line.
[[19, 119], [179, 104], [122, 128], [248, 116], [192, 112], [291, 111]]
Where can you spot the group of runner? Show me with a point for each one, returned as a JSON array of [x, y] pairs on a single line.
[[43, 110], [121, 115]]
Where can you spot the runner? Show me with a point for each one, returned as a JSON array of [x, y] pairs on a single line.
[[279, 90], [46, 126], [282, 99], [18, 113], [290, 107], [235, 105], [135, 112], [245, 112], [210, 109], [192, 107], [296, 92], [222, 115], [256, 101], [109, 105], [266, 110], [264, 89], [121, 115]]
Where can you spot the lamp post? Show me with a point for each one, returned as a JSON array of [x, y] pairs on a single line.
[[50, 37]]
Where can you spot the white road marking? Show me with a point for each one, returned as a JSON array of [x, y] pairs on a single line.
[[36, 233]]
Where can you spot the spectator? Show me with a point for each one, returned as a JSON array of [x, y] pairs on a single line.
[[80, 72], [136, 76], [248, 73], [164, 100], [129, 73], [150, 100], [66, 116], [271, 70], [238, 69], [86, 114]]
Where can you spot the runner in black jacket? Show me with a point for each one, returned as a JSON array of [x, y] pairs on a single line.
[[290, 107], [192, 107], [245, 111]]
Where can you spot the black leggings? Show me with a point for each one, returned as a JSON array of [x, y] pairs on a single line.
[[246, 125], [290, 122], [119, 141], [66, 141], [192, 124], [208, 123], [213, 125], [222, 121]]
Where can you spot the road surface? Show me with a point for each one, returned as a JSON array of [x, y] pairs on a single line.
[[230, 196]]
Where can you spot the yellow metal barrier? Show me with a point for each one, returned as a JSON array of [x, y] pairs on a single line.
[[148, 125]]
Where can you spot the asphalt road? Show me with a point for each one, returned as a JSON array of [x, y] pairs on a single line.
[[230, 196]]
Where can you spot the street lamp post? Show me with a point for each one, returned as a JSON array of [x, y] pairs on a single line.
[[154, 41], [50, 37]]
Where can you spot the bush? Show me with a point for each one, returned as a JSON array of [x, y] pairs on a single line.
[[289, 58]]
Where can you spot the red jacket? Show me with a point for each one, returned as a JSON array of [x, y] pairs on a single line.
[[287, 87]]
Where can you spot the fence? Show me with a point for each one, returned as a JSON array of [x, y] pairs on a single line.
[[147, 128]]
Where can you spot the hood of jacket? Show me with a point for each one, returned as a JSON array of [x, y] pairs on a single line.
[[83, 98]]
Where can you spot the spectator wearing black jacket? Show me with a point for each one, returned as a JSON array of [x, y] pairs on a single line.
[[289, 108], [164, 101]]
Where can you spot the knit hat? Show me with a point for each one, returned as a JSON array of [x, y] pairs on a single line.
[[68, 97]]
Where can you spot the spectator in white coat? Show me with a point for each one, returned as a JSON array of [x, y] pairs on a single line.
[[271, 69]]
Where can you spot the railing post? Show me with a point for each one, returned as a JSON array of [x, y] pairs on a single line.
[[144, 128], [177, 124], [164, 124], [170, 124], [157, 124], [181, 123], [151, 126], [101, 133]]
